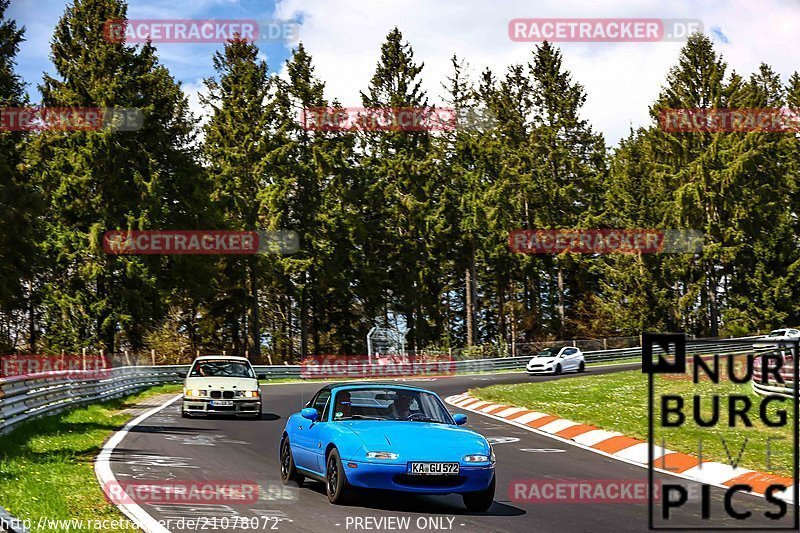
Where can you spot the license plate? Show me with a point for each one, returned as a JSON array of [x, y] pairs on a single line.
[[221, 403], [433, 469]]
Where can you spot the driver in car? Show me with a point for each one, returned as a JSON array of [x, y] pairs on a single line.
[[343, 407], [402, 405]]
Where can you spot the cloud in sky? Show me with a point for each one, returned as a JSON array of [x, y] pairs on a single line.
[[344, 38]]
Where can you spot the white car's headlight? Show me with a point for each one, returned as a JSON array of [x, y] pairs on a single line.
[[476, 458], [247, 394], [195, 393], [382, 455]]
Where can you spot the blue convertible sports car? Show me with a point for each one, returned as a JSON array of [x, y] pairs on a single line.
[[386, 436]]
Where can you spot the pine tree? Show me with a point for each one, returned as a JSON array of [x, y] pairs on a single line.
[[96, 181], [401, 198], [237, 142], [19, 205], [689, 164]]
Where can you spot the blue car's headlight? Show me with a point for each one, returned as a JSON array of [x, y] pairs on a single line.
[[476, 458], [382, 455]]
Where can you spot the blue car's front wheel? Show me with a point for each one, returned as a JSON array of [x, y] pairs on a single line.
[[335, 480], [288, 469], [478, 502]]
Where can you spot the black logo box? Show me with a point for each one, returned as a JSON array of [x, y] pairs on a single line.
[[675, 345]]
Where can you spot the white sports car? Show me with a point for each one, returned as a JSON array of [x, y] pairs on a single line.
[[775, 336], [557, 360], [221, 385]]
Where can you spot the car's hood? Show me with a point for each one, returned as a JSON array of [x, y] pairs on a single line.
[[221, 383], [542, 360], [420, 437]]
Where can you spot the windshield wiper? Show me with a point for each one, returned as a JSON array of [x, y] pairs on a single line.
[[360, 417]]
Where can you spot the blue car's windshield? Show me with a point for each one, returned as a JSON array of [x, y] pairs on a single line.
[[389, 404]]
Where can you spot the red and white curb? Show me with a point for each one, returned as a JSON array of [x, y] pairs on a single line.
[[627, 449]]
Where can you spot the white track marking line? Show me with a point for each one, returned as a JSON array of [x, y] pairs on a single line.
[[530, 417], [638, 453], [510, 411], [595, 436], [557, 425], [713, 472], [102, 469]]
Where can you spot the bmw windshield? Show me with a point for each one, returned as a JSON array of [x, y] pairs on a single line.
[[222, 369], [389, 404]]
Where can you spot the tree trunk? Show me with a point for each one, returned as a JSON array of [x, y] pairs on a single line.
[[711, 284], [501, 310], [561, 307], [468, 314], [303, 319], [255, 323], [31, 321]]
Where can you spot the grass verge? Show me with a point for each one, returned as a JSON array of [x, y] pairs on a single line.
[[618, 402], [47, 464]]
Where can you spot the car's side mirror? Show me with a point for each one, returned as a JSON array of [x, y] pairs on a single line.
[[309, 413], [460, 419], [261, 376]]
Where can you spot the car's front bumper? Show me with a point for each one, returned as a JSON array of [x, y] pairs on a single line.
[[202, 406], [395, 477], [540, 370]]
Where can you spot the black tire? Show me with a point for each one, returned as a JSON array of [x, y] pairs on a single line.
[[557, 371], [335, 481], [478, 502], [582, 367], [184, 414], [289, 471]]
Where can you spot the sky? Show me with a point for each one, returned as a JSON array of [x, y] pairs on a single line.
[[621, 79]]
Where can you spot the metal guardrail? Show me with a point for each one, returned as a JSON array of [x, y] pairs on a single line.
[[26, 397]]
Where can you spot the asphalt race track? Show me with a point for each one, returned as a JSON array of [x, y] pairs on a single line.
[[167, 448]]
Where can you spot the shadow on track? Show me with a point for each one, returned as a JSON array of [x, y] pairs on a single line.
[[411, 503]]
